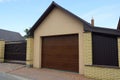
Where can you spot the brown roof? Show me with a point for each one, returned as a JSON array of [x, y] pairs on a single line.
[[87, 26]]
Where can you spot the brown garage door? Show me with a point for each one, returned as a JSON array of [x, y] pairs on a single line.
[[60, 52]]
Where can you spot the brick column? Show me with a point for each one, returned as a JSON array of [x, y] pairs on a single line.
[[2, 48], [87, 48], [118, 51], [29, 55]]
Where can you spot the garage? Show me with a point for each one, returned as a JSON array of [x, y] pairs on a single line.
[[60, 52], [57, 41]]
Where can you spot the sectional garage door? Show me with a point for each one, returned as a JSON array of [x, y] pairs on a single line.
[[60, 52]]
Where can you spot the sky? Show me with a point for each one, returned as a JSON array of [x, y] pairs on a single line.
[[17, 15]]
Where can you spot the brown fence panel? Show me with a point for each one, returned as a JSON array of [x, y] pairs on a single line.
[[105, 50], [16, 51]]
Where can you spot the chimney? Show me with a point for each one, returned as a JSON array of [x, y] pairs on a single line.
[[92, 22]]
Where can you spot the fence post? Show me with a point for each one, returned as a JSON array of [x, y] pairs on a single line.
[[118, 50], [87, 48], [29, 55], [2, 48]]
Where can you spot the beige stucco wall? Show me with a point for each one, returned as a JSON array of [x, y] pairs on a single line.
[[57, 22]]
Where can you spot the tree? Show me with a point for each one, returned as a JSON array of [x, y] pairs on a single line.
[[27, 33]]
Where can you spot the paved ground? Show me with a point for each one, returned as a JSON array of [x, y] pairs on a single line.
[[8, 67], [39, 74], [5, 76]]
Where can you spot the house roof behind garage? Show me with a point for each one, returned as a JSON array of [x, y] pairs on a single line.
[[10, 36], [87, 26], [102, 30]]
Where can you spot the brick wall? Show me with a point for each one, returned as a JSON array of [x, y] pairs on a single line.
[[101, 73], [88, 48], [97, 72], [119, 51], [2, 47], [29, 55]]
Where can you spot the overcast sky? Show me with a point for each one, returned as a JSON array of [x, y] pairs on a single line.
[[17, 15]]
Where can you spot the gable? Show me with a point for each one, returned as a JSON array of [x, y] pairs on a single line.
[[59, 22], [48, 11]]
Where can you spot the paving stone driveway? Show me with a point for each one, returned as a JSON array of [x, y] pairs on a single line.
[[39, 74], [5, 76]]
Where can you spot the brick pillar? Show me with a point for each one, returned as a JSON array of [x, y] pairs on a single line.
[[118, 51], [87, 48], [29, 55], [2, 48]]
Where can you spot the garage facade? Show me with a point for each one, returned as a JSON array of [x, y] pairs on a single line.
[[58, 26], [60, 52]]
